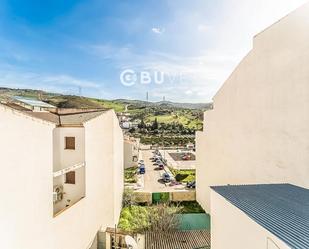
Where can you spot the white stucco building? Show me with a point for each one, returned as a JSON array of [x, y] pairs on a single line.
[[63, 177], [131, 152], [258, 133]]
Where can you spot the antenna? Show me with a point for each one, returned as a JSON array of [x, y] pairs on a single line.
[[131, 243], [147, 96], [80, 90]]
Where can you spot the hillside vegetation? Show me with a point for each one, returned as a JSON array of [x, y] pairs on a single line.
[[63, 101], [162, 123]]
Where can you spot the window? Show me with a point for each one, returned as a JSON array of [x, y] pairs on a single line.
[[70, 177], [70, 143]]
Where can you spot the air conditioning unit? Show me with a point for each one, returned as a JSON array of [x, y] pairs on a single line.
[[58, 193]]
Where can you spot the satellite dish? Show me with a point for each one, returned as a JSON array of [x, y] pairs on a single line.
[[131, 243]]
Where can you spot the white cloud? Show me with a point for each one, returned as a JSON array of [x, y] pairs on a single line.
[[67, 80], [157, 30], [203, 28], [209, 50], [12, 77]]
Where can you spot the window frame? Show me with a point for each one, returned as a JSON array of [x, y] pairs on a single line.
[[67, 145], [72, 177]]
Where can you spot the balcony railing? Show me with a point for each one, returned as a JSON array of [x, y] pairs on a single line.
[[68, 169]]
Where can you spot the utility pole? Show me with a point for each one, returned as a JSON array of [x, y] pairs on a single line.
[[80, 91]]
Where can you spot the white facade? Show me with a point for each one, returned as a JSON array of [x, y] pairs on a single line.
[[64, 158], [32, 150], [232, 228], [258, 130], [131, 152]]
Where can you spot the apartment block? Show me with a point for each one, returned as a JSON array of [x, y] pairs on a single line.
[[63, 175]]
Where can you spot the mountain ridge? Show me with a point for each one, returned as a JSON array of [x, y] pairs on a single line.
[[74, 101]]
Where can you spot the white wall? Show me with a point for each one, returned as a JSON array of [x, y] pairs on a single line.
[[130, 151], [26, 211], [118, 168], [127, 154], [231, 228], [72, 192], [64, 158], [104, 167], [26, 208], [258, 130]]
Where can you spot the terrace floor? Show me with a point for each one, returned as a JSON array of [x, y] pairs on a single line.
[[174, 160]]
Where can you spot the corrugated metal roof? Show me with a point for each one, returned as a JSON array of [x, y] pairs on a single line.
[[33, 102], [178, 240], [282, 209]]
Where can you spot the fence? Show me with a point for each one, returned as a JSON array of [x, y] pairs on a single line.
[[177, 196]]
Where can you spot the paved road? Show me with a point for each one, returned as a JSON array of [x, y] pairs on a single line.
[[152, 176]]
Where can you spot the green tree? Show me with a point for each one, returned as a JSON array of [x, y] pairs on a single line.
[[142, 124], [155, 124]]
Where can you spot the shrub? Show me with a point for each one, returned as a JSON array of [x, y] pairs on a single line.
[[128, 198], [159, 218]]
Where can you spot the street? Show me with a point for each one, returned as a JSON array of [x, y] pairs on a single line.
[[152, 177]]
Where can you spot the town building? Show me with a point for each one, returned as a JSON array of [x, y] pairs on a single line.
[[257, 133], [63, 176], [131, 151]]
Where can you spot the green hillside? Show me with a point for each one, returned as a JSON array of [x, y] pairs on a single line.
[[63, 101], [167, 114]]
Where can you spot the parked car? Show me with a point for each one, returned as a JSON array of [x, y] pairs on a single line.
[[141, 161], [142, 169], [186, 157], [157, 162], [161, 165], [166, 177], [154, 158], [191, 184]]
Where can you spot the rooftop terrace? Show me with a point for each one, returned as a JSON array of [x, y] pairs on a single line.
[[60, 117]]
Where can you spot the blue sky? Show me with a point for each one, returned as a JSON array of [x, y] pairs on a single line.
[[64, 45]]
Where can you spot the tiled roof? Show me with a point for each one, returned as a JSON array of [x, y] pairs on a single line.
[[282, 209]]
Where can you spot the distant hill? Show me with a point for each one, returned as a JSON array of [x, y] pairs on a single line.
[[72, 101], [62, 101], [166, 104]]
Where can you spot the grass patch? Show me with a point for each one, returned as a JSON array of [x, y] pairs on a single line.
[[130, 175], [118, 107], [183, 175]]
